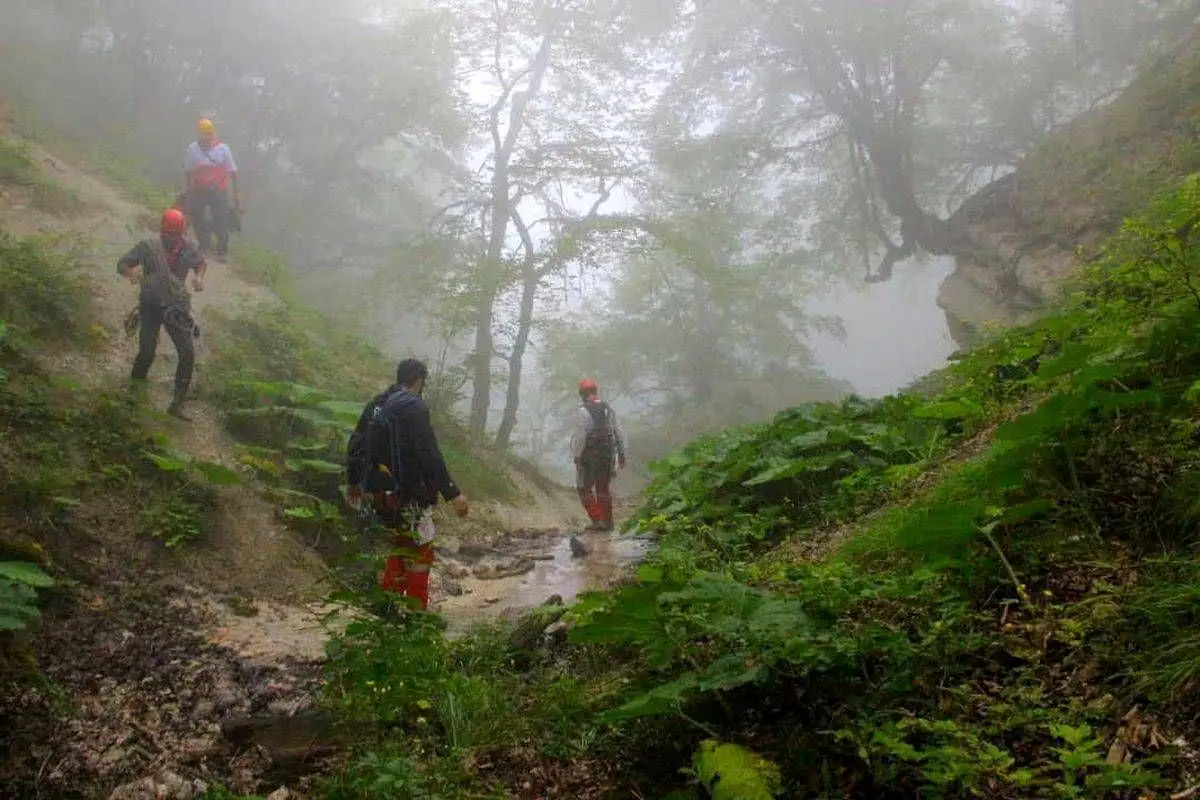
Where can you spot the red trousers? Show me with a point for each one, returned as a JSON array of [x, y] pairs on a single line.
[[593, 482], [406, 569]]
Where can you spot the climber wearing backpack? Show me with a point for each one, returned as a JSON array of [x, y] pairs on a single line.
[[598, 448], [211, 170], [161, 266], [393, 458]]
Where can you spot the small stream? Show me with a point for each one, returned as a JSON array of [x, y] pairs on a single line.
[[547, 562]]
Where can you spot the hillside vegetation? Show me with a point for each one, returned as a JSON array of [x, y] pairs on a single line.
[[990, 589], [990, 592]]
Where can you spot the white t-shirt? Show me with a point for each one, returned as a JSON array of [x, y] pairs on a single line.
[[210, 168]]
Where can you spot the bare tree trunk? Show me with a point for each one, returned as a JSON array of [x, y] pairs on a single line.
[[492, 279], [516, 361]]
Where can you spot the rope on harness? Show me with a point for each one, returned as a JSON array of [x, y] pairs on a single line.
[[178, 317], [131, 322]]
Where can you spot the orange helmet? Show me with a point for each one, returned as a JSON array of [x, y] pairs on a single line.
[[588, 386], [173, 221]]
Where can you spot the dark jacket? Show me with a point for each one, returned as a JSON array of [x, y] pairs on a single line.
[[179, 262], [414, 448]]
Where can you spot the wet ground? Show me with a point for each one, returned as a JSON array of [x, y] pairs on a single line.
[[525, 568]]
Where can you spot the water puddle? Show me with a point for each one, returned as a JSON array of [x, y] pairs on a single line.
[[477, 583]]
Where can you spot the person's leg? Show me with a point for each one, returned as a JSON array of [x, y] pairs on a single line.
[[149, 321], [180, 331], [604, 499], [585, 486], [391, 579], [416, 576], [197, 205], [219, 205]]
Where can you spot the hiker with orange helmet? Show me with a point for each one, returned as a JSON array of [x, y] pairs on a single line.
[[161, 265], [211, 170], [598, 449]]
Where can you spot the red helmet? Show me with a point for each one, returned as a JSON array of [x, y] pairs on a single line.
[[173, 221], [588, 386]]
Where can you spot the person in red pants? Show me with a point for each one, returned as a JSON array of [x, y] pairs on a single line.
[[598, 448], [393, 456]]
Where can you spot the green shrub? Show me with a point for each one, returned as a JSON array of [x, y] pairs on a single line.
[[42, 291], [19, 583], [18, 168]]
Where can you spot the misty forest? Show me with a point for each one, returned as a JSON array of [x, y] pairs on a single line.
[[808, 399]]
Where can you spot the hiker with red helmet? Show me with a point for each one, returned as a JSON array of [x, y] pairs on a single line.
[[161, 265], [211, 170], [598, 448]]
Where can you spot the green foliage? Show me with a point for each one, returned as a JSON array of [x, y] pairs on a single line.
[[18, 168], [731, 772], [812, 465], [178, 514], [42, 292], [19, 583], [262, 267], [1086, 464]]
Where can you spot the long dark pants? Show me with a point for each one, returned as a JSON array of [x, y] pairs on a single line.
[[151, 317], [200, 201], [593, 478]]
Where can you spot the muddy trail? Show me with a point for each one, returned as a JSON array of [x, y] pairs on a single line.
[[150, 662], [153, 688]]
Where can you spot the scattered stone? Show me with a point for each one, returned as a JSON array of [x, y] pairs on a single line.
[[166, 785], [507, 569], [488, 601], [473, 552], [578, 548], [452, 587], [283, 793], [556, 633]]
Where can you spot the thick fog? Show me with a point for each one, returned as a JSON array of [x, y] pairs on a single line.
[[717, 209]]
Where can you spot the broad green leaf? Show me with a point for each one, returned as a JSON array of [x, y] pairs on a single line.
[[732, 772], [314, 465], [948, 409], [167, 463], [23, 572], [217, 474], [10, 621]]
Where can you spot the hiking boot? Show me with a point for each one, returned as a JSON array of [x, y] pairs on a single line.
[[176, 410]]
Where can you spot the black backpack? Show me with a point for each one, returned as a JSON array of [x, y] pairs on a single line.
[[369, 446], [600, 441]]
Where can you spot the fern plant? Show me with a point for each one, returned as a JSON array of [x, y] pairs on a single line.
[[19, 582]]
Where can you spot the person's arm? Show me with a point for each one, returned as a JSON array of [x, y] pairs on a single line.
[[579, 431], [231, 165], [130, 265], [200, 267], [187, 170], [429, 455], [618, 438]]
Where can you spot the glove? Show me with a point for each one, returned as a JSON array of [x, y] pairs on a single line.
[[131, 323]]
